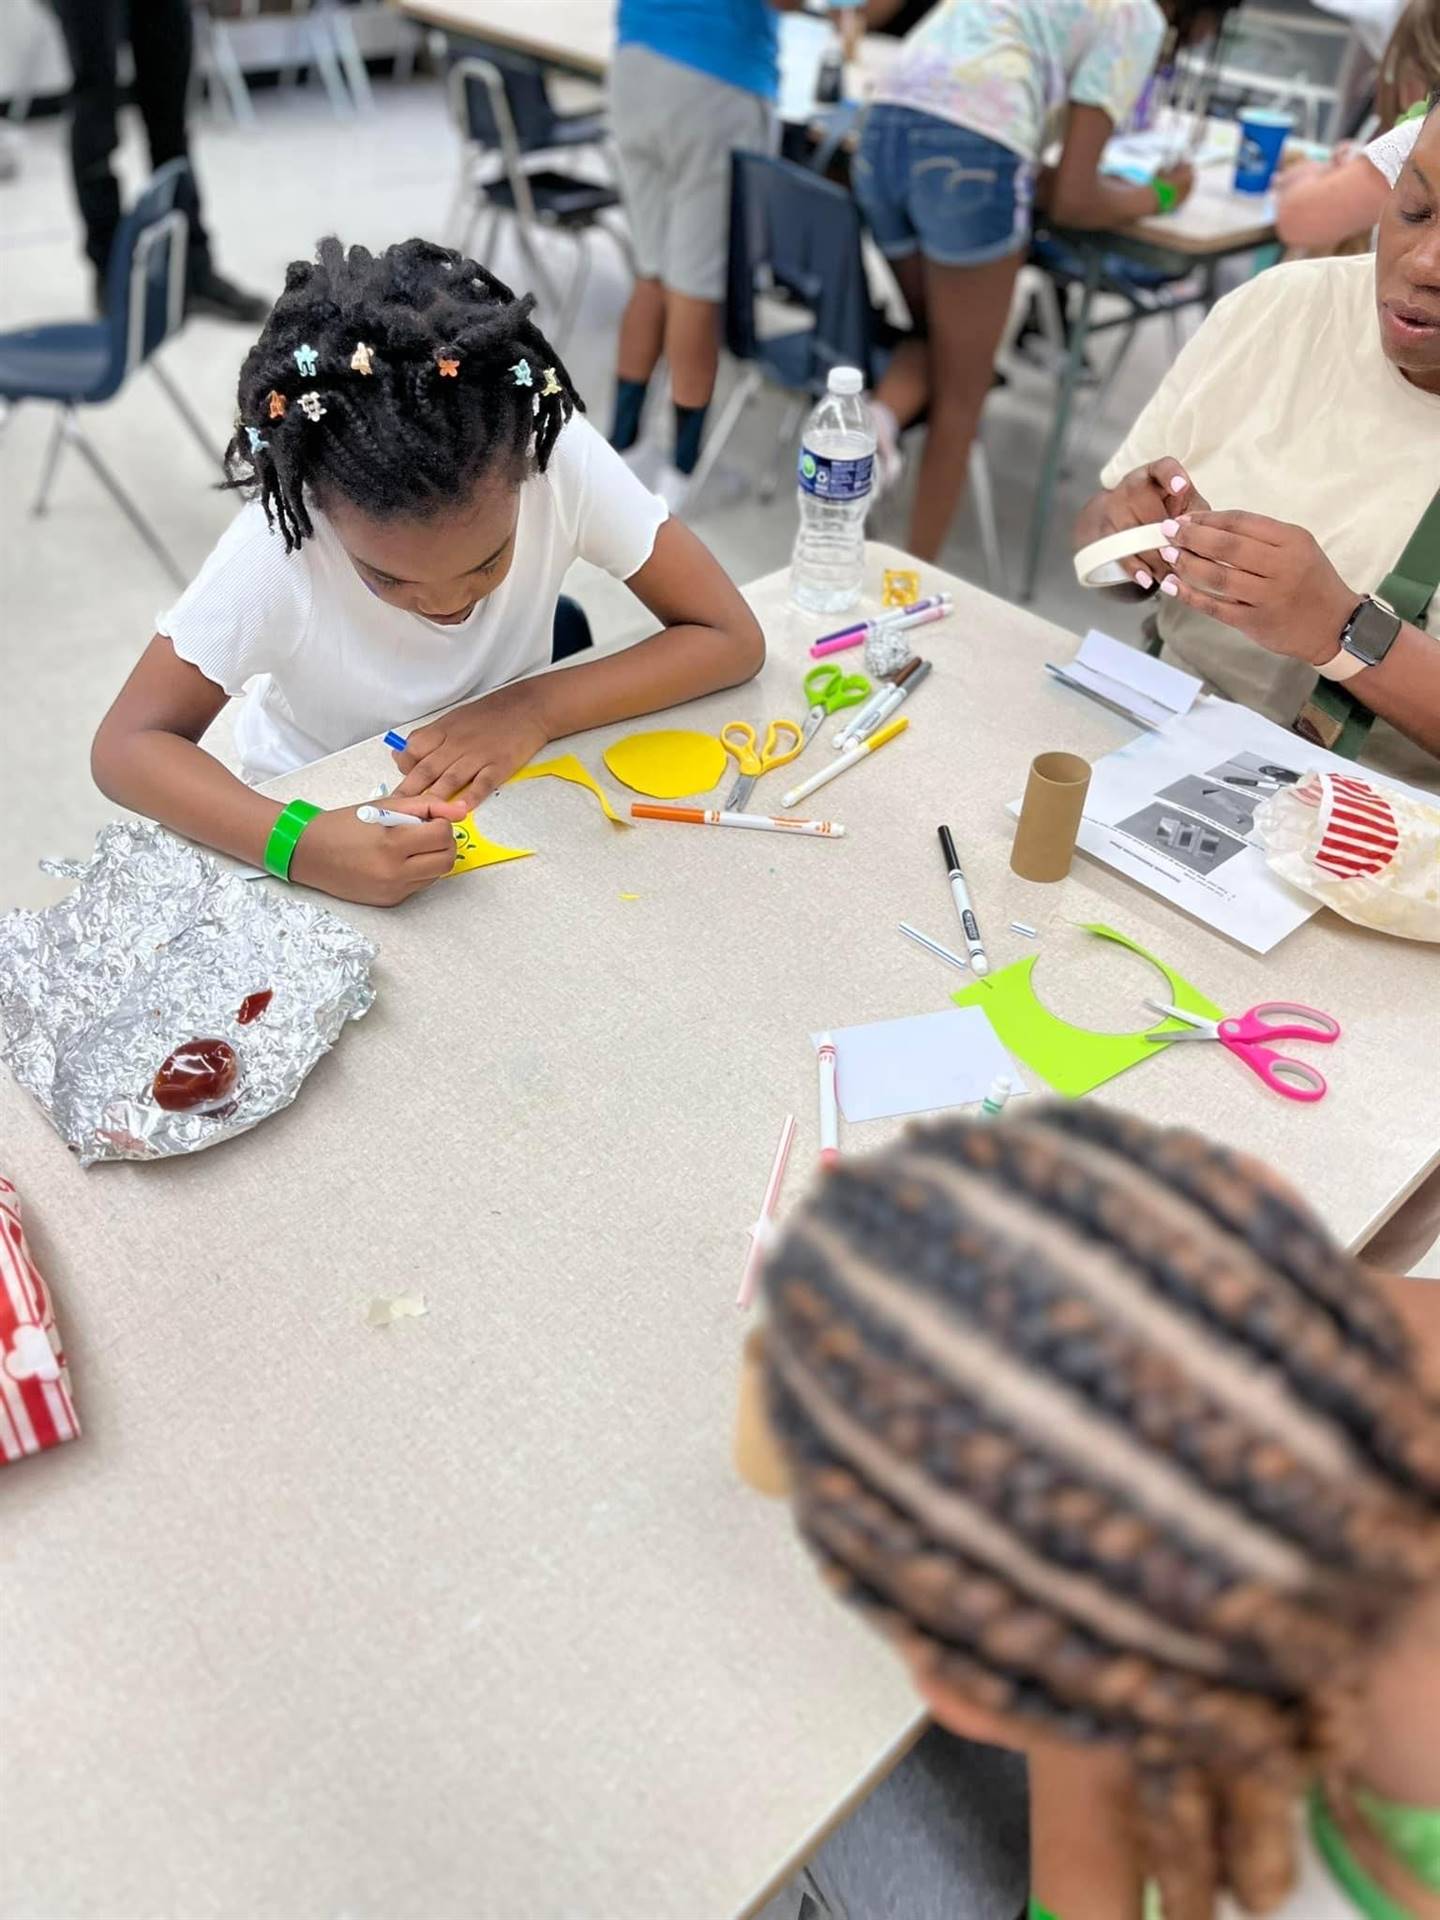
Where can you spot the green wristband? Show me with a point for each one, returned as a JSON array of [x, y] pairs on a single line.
[[285, 837], [1167, 196]]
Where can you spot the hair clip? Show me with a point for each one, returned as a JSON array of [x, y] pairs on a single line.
[[312, 406], [256, 443], [552, 385], [277, 405], [308, 361], [449, 366], [361, 360], [521, 375]]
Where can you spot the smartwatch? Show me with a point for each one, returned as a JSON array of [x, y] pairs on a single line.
[[1365, 639]]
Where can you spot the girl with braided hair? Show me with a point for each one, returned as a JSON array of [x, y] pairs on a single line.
[[1139, 1473], [419, 476]]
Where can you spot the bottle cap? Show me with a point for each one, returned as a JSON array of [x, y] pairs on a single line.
[[846, 380]]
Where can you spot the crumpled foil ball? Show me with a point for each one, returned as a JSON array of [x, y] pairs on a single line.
[[156, 946], [884, 652]]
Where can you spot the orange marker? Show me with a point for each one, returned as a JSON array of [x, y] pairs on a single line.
[[760, 822]]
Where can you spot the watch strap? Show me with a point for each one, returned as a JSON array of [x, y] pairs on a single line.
[[1343, 667]]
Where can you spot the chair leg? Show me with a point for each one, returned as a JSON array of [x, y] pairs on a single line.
[[52, 463], [327, 65], [746, 387], [574, 293], [789, 426], [982, 492], [6, 410], [188, 414], [225, 68], [347, 48], [73, 433]]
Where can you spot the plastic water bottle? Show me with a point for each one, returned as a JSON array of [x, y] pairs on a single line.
[[834, 474]]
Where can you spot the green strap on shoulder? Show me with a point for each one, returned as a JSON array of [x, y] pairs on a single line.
[[1037, 1912], [1332, 716]]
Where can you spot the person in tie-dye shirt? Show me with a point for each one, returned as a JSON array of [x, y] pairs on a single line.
[[948, 169]]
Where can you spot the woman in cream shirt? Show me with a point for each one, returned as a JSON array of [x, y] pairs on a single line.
[[1291, 451]]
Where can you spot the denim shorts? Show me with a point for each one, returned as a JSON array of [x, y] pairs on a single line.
[[927, 186]]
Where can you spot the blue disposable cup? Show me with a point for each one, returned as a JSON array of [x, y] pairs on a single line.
[[1263, 134]]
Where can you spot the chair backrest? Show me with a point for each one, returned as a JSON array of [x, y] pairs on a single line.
[[522, 84], [145, 281], [792, 230]]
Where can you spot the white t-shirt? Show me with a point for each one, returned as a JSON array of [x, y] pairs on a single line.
[[1283, 403], [322, 663], [1388, 152]]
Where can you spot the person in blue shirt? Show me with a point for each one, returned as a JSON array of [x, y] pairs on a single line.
[[692, 81]]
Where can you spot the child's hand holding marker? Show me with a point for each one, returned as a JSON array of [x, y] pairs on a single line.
[[344, 855], [455, 763]]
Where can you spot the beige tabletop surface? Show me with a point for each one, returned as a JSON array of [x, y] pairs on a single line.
[[1215, 219], [467, 1616]]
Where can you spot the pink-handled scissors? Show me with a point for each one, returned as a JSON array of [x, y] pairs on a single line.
[[1247, 1035]]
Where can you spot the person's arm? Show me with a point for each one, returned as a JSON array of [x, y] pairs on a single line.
[[1078, 195], [1330, 204], [710, 639], [1273, 582], [1084, 1855], [147, 757]]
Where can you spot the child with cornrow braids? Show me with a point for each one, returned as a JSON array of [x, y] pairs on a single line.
[[420, 476], [1139, 1473]]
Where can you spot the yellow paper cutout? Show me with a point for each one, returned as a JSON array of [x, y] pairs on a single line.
[[472, 849], [567, 767], [667, 765]]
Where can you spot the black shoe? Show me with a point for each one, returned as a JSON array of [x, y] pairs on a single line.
[[220, 299]]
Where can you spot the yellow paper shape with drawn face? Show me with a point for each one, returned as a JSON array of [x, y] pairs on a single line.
[[668, 764], [472, 849], [567, 766]]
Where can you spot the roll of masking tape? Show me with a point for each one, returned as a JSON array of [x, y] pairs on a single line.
[[1098, 564]]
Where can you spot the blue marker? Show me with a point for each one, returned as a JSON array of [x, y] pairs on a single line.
[[395, 741]]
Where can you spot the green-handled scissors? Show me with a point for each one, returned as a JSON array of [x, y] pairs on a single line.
[[828, 689]]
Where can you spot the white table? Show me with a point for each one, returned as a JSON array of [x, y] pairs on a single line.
[[467, 1619]]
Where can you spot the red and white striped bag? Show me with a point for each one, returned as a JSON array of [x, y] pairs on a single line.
[[1371, 853], [36, 1410]]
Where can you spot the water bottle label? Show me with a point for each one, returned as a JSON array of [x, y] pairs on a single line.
[[835, 479]]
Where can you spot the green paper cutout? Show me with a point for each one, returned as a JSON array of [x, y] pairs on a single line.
[[1073, 1059]]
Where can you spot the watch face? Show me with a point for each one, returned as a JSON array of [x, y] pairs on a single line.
[[1371, 632]]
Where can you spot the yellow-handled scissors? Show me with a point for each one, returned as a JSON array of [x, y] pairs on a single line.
[[739, 741]]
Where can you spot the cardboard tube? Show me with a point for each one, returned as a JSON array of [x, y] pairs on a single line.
[[758, 1460], [1050, 816]]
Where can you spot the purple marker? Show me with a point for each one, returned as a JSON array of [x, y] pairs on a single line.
[[898, 621]]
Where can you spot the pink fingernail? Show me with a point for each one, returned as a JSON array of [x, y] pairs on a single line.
[[1170, 528], [1179, 483], [1143, 579], [1172, 554], [1170, 585]]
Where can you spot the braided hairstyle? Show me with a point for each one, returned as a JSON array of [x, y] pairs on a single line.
[[394, 382], [1097, 1423]]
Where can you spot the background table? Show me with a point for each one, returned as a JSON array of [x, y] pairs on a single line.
[[467, 1618]]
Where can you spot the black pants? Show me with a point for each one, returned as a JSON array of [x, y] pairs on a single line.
[[161, 43]]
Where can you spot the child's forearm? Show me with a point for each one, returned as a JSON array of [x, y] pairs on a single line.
[[172, 780], [680, 664], [1084, 1863]]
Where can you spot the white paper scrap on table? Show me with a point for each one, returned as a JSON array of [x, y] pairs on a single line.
[[403, 1306], [1175, 810], [1120, 676], [919, 1064]]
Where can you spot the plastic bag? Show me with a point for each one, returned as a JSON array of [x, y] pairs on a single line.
[[1369, 852]]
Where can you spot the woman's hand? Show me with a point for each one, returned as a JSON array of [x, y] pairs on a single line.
[[373, 866], [459, 761], [1148, 494], [1265, 578]]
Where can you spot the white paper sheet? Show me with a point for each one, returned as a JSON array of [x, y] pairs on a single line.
[[1148, 690], [919, 1064], [1175, 810]]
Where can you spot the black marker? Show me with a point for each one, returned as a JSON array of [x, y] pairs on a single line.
[[969, 926]]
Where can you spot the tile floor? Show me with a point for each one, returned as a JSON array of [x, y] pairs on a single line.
[[81, 594]]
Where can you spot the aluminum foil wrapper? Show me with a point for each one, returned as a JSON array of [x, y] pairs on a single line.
[[884, 652], [156, 947]]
